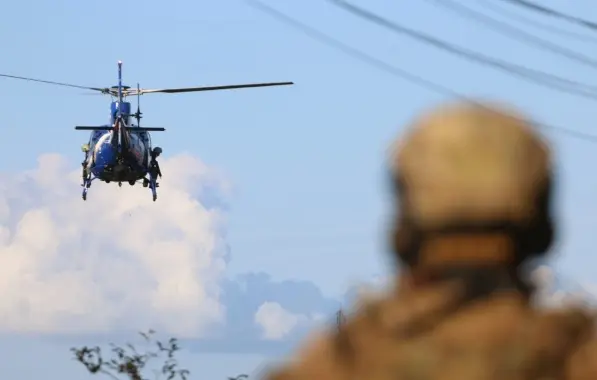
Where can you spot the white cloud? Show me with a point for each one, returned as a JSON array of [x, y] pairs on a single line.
[[551, 292], [118, 260], [372, 287], [276, 322], [318, 317], [543, 277]]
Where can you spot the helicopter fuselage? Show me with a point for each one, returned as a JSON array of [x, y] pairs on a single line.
[[125, 159], [104, 162]]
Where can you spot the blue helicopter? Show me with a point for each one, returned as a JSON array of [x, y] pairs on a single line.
[[122, 152]]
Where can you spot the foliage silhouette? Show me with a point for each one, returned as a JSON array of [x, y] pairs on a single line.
[[239, 377], [131, 364]]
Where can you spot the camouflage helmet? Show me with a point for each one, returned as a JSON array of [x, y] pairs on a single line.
[[470, 162]]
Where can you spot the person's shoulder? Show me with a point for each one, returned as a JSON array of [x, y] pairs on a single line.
[[375, 330], [582, 359], [582, 364], [565, 336]]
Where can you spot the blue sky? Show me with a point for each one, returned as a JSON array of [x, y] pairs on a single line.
[[305, 192]]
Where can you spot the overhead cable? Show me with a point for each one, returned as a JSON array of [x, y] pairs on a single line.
[[513, 31], [489, 4], [532, 75], [530, 5], [390, 69]]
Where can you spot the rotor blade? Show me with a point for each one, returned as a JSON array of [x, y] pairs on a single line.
[[105, 128], [103, 90], [146, 129], [86, 128], [212, 88]]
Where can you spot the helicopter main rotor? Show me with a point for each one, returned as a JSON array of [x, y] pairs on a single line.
[[127, 91]]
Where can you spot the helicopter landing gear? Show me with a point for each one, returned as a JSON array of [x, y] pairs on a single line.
[[132, 183]]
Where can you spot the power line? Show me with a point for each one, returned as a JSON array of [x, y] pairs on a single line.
[[528, 74], [528, 21], [553, 13], [348, 50], [513, 31], [390, 69]]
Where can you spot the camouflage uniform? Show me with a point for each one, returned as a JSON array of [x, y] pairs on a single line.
[[473, 185]]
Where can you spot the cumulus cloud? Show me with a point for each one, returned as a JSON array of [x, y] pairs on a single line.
[[116, 261], [554, 291], [245, 294], [370, 287], [276, 321], [119, 262]]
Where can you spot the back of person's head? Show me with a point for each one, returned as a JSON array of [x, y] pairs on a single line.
[[472, 169]]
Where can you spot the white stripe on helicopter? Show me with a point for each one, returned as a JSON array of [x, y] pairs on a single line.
[[99, 144]]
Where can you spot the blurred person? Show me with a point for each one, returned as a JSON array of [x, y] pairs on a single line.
[[473, 185]]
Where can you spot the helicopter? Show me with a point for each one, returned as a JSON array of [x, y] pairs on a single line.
[[122, 151]]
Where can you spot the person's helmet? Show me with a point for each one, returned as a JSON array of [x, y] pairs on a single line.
[[470, 163]]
